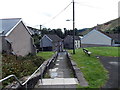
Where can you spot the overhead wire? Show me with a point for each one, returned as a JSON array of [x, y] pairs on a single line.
[[58, 14]]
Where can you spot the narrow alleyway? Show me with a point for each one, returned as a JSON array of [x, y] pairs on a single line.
[[60, 75]]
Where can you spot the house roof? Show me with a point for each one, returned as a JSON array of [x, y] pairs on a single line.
[[112, 36], [104, 33], [7, 25], [76, 37], [115, 37], [54, 38], [33, 30]]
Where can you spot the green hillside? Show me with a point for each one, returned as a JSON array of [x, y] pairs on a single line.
[[112, 26]]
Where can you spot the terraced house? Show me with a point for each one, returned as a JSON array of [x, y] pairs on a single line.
[[100, 38], [15, 37], [68, 42], [51, 43]]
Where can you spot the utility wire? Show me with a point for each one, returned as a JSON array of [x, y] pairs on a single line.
[[84, 4], [58, 14]]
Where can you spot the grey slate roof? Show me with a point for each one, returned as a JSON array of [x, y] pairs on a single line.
[[7, 24], [54, 38], [115, 37], [76, 37]]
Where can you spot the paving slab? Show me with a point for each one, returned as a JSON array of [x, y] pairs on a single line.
[[63, 70], [59, 81]]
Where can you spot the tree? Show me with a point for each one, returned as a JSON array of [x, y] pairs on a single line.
[[37, 38]]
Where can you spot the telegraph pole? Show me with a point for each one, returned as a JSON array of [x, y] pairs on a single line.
[[41, 37], [73, 27]]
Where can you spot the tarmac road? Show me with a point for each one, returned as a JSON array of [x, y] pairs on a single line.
[[112, 65]]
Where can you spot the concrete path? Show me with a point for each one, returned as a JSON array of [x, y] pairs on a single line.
[[61, 75], [61, 68]]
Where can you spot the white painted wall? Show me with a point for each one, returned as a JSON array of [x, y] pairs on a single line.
[[77, 43], [96, 37], [45, 42]]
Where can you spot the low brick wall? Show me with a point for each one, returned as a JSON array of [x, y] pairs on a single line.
[[33, 81], [76, 71]]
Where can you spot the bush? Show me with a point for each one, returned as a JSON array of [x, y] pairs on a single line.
[[19, 66]]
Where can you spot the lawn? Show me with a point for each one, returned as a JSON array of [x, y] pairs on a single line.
[[46, 55], [93, 70], [105, 51]]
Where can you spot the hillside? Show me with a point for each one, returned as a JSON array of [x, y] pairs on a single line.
[[112, 26], [109, 26]]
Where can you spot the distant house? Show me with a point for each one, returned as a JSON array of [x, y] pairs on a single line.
[[68, 42], [116, 39], [15, 37], [34, 30], [51, 42], [96, 38]]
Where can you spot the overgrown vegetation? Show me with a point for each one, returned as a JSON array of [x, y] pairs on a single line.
[[19, 66], [93, 70], [22, 66]]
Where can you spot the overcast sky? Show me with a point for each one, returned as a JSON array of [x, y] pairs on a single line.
[[88, 13]]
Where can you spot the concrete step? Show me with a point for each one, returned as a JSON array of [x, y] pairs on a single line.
[[59, 81]]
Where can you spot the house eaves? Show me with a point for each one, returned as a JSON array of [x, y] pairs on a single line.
[[47, 37]]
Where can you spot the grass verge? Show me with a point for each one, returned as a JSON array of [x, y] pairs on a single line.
[[93, 70], [46, 55]]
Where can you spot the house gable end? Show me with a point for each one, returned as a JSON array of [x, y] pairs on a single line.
[[87, 35], [45, 41], [96, 37]]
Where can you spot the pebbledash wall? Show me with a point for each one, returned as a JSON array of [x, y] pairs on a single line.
[[96, 37], [21, 40]]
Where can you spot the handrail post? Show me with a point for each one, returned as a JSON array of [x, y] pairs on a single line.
[[41, 74], [26, 86]]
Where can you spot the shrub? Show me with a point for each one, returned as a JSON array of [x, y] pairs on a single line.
[[19, 66]]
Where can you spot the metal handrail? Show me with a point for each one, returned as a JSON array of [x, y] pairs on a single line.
[[27, 79], [32, 75], [22, 84], [10, 77]]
